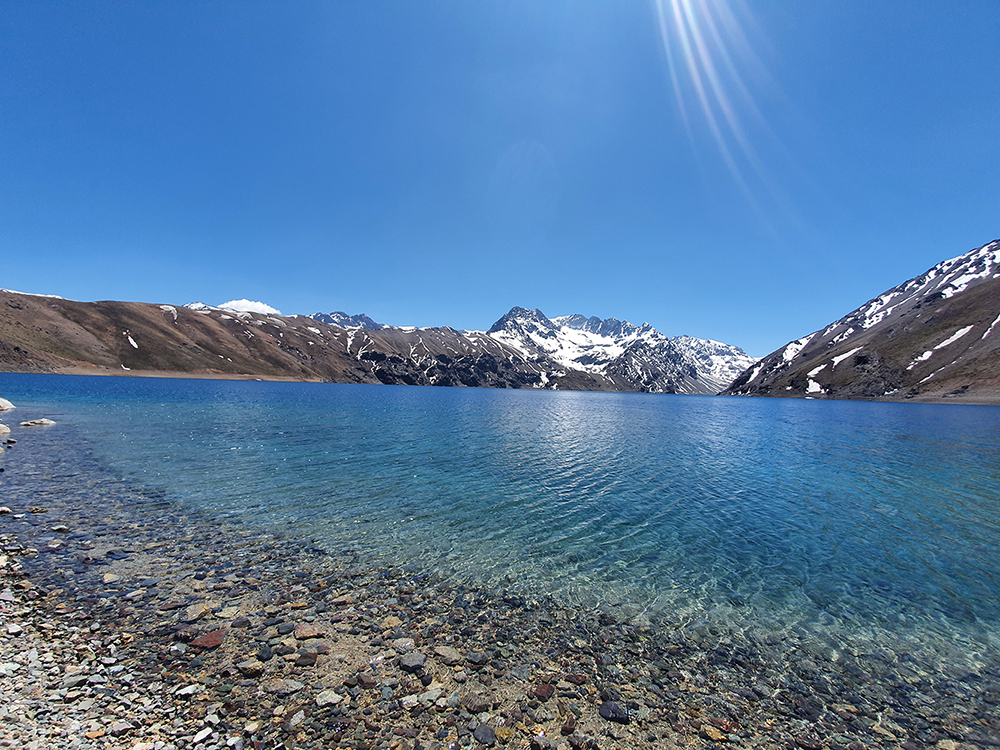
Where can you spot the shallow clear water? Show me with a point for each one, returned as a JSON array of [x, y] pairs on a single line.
[[850, 526]]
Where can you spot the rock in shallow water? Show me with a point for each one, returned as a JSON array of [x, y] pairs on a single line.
[[304, 631], [448, 655], [485, 735], [279, 686], [212, 639], [475, 703], [403, 645], [613, 712], [713, 733], [328, 698], [251, 668], [306, 659], [544, 692], [412, 662]]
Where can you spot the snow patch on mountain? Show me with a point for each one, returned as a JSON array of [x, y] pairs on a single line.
[[792, 350], [245, 305], [846, 355], [953, 338], [32, 294], [992, 326]]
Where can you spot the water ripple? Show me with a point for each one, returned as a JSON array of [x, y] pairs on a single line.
[[835, 519]]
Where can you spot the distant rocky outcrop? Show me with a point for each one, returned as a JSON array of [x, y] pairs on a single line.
[[343, 320], [934, 337]]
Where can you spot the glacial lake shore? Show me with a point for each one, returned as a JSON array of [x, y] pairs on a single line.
[[139, 620]]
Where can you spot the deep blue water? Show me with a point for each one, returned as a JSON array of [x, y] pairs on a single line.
[[851, 525]]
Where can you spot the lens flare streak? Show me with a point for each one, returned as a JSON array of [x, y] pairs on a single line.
[[699, 40]]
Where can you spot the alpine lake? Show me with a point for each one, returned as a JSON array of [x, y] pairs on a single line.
[[846, 551]]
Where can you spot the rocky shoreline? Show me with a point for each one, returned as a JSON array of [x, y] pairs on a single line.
[[126, 625]]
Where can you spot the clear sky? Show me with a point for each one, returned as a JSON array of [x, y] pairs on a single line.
[[746, 173]]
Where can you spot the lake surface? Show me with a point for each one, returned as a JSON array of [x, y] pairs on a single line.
[[848, 527]]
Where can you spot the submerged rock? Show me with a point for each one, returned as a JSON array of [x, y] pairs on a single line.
[[282, 687], [485, 735], [328, 698], [448, 655], [412, 662], [212, 639], [475, 703], [612, 711]]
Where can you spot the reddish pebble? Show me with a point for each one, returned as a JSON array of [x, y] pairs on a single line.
[[305, 630], [210, 640], [544, 692]]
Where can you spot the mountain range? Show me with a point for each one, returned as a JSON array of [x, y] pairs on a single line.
[[935, 337], [524, 349]]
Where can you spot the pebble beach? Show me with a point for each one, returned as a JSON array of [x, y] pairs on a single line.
[[125, 623]]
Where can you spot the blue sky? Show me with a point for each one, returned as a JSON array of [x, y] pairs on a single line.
[[437, 163]]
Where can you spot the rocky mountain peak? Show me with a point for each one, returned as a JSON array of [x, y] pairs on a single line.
[[519, 318], [343, 320], [622, 352]]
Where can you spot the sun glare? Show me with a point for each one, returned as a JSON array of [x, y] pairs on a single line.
[[706, 50]]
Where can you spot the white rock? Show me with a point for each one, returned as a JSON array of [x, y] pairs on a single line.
[[207, 731], [328, 698], [5, 405], [43, 422]]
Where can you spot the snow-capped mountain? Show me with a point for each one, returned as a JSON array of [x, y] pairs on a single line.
[[250, 339], [343, 320], [934, 336], [631, 357], [236, 306]]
